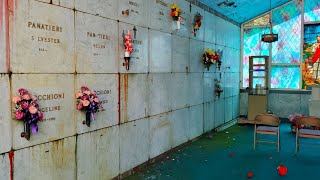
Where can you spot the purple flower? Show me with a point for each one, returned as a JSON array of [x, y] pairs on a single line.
[[19, 115], [24, 104]]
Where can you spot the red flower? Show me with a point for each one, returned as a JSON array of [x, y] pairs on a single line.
[[282, 170], [22, 91], [40, 114], [84, 88], [24, 104], [19, 115], [250, 175]]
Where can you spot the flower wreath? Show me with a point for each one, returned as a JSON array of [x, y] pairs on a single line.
[[210, 57], [27, 109], [88, 101], [197, 23]]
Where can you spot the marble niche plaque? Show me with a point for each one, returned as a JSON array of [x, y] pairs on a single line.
[[63, 3], [42, 38], [106, 87], [104, 8], [134, 11], [3, 37], [55, 95], [5, 115], [96, 44], [200, 32], [186, 27], [160, 18], [139, 56]]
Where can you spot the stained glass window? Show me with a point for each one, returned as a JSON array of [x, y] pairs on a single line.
[[287, 23], [311, 10], [285, 77], [252, 46]]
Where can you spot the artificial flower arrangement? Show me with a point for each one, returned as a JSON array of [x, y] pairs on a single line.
[[127, 40], [211, 57], [175, 14], [27, 110], [218, 88], [197, 23], [88, 101]]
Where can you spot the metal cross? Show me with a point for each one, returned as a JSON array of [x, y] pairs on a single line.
[[135, 32]]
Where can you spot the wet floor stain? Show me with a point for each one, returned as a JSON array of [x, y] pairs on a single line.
[[229, 155]]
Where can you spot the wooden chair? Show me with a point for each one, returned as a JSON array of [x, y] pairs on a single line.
[[307, 133], [266, 124]]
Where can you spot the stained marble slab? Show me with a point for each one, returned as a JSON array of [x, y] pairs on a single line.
[[179, 90], [160, 128], [160, 19], [5, 166], [138, 12], [5, 115], [194, 10], [180, 54], [228, 106], [106, 86], [3, 37], [209, 116], [53, 160], [96, 44], [55, 95], [186, 25], [140, 41], [196, 121], [160, 52], [160, 94], [45, 39], [196, 87], [180, 126], [219, 112], [98, 154], [134, 97], [196, 52], [208, 23], [134, 144], [63, 3], [208, 87], [105, 8]]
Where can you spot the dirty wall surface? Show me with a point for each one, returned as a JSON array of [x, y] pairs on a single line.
[[53, 47]]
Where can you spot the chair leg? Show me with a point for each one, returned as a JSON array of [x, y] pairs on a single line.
[[254, 137], [279, 139], [297, 132]]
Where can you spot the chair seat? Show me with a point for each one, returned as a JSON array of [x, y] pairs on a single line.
[[267, 128], [309, 132]]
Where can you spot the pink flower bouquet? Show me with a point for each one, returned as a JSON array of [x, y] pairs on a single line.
[[27, 110], [88, 101]]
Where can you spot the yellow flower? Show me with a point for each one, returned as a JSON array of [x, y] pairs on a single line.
[[174, 6]]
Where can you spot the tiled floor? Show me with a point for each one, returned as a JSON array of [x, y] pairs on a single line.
[[229, 155]]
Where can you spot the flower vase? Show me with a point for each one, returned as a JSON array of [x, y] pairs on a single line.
[[88, 118], [27, 131], [127, 60]]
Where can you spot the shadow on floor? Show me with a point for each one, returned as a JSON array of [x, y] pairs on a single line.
[[228, 155]]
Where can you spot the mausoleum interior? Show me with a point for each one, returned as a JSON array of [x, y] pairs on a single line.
[[159, 89]]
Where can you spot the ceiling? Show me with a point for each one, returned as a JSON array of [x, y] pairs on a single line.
[[242, 10]]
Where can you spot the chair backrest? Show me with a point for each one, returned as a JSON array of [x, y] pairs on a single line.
[[267, 119], [308, 121]]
